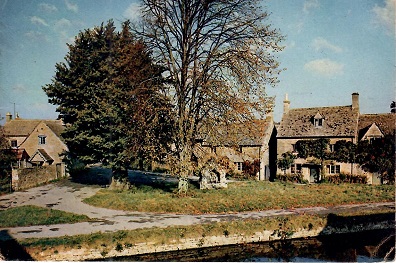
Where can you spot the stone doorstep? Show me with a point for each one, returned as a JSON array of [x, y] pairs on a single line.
[[191, 243]]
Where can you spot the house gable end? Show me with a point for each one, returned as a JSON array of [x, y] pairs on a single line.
[[373, 131], [41, 156]]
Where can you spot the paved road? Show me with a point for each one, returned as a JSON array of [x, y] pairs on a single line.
[[68, 196]]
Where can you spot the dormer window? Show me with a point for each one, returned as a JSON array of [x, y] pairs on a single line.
[[318, 120], [42, 139]]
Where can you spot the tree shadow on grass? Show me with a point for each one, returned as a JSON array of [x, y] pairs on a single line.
[[141, 179], [164, 182], [10, 249], [93, 176]]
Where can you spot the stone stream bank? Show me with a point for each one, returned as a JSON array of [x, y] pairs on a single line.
[[335, 226]]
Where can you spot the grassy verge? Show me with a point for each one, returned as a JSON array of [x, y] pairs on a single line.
[[240, 197], [33, 215], [159, 236]]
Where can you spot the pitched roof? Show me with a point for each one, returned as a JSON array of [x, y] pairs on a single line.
[[235, 156], [339, 121], [43, 154], [385, 121], [251, 133], [23, 127], [20, 127]]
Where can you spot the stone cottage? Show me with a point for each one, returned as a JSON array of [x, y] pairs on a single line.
[[41, 139], [245, 142], [335, 123]]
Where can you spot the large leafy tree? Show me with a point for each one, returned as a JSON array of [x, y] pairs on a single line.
[[286, 161], [345, 152], [109, 92], [219, 57], [378, 156], [7, 157]]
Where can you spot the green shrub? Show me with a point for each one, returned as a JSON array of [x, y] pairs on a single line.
[[294, 178], [346, 178]]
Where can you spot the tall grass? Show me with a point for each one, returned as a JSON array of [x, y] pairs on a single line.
[[240, 197]]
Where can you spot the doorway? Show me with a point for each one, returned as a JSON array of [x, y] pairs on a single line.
[[314, 174]]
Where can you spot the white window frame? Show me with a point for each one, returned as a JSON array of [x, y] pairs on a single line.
[[42, 139], [333, 169], [318, 122], [239, 166]]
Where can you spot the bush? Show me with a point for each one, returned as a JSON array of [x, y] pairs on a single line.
[[251, 169], [346, 178], [75, 167], [294, 178], [5, 182]]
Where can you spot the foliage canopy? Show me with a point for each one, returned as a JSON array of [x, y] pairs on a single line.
[[110, 95], [219, 56]]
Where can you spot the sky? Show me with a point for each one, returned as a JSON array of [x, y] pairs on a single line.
[[333, 48]]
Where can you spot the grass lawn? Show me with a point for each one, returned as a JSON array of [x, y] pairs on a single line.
[[33, 215], [239, 197]]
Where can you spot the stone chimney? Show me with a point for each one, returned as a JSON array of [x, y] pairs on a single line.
[[286, 104], [355, 101], [269, 113], [8, 117]]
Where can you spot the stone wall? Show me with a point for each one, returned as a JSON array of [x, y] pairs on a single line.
[[96, 254], [25, 178]]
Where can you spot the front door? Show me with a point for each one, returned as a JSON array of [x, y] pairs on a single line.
[[314, 174]]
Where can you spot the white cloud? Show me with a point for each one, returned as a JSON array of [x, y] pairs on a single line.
[[38, 21], [325, 67], [309, 5], [291, 45], [48, 8], [71, 6], [132, 12], [320, 43], [61, 28], [62, 23], [19, 88], [36, 36], [385, 15]]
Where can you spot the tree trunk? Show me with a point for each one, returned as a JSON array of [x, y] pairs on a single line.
[[119, 179]]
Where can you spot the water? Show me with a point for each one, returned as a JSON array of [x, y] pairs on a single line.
[[356, 247]]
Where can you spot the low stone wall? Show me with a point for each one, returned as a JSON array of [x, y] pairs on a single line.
[[25, 178], [82, 254]]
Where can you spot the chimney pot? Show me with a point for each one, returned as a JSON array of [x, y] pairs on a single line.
[[8, 117], [286, 104], [355, 101]]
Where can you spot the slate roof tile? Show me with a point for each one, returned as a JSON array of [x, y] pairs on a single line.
[[339, 121]]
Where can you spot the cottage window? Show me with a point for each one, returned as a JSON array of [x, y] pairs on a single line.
[[318, 122], [239, 166], [295, 168], [333, 169], [42, 139], [331, 147], [14, 143]]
